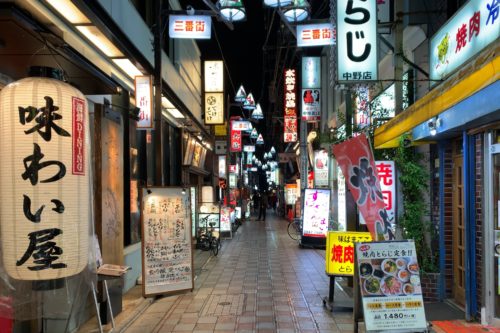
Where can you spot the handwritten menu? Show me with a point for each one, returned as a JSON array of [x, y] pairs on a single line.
[[167, 258]]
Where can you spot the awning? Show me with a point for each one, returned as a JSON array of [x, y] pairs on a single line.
[[478, 74]]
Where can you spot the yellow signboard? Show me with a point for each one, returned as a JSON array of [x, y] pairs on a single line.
[[220, 130], [340, 251]]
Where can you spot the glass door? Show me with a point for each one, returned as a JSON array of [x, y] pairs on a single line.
[[492, 229]]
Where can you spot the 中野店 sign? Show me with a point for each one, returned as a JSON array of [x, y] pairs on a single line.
[[357, 41]]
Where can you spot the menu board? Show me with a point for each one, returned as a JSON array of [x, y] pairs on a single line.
[[167, 257], [389, 283], [316, 212]]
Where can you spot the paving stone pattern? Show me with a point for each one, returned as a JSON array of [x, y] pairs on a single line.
[[261, 281]]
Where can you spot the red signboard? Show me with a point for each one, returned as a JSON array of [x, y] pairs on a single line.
[[78, 136], [235, 140], [290, 133], [355, 158]]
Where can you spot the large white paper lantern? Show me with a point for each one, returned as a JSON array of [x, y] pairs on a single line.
[[45, 205]]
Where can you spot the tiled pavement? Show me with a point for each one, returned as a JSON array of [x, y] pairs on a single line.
[[261, 281]]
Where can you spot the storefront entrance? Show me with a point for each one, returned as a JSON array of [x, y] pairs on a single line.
[[491, 314], [458, 225]]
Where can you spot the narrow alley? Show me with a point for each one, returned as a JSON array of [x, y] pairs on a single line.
[[261, 281]]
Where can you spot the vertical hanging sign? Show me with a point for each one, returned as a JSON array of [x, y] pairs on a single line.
[[290, 132], [357, 40], [214, 92], [144, 100], [235, 140], [311, 92]]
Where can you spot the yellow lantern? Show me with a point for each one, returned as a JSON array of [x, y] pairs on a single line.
[[45, 206]]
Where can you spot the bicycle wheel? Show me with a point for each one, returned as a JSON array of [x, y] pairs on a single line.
[[215, 246], [293, 231]]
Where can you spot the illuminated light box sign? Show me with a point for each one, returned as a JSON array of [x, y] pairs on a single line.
[[190, 26], [342, 204], [316, 212], [311, 72], [249, 149], [214, 76], [232, 180], [241, 125], [311, 104], [469, 31], [339, 256], [316, 35], [225, 218], [290, 100], [290, 194], [222, 166], [321, 168], [214, 108], [357, 41], [144, 101]]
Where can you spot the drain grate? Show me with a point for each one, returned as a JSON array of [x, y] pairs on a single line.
[[223, 305]]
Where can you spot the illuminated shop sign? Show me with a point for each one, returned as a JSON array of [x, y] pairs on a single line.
[[316, 34], [290, 132], [190, 26], [470, 30], [144, 101], [357, 40]]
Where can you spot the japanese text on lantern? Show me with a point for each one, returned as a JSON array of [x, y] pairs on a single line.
[[42, 245], [290, 132], [340, 251], [357, 40]]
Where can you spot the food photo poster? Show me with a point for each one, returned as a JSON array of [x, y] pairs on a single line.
[[389, 282]]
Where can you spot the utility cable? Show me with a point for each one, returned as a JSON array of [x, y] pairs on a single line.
[[224, 60]]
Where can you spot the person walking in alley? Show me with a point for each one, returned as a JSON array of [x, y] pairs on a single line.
[[263, 207]]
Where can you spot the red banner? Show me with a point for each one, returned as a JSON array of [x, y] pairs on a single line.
[[355, 158]]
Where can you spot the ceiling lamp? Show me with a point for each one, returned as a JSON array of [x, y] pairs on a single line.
[[273, 151], [254, 133], [277, 3], [249, 103], [241, 95], [232, 10], [257, 113], [298, 11]]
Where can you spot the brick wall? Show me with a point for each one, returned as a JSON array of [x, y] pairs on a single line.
[[479, 153], [448, 219]]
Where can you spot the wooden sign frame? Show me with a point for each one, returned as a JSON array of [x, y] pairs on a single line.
[[167, 237]]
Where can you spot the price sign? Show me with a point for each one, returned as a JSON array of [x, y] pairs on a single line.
[[389, 283]]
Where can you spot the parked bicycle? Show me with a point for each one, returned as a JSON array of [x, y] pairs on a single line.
[[294, 229], [209, 239]]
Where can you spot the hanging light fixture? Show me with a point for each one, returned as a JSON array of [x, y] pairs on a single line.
[[50, 243], [241, 95], [254, 134], [257, 113], [273, 151], [232, 10], [249, 103], [298, 11], [277, 3]]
